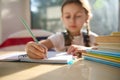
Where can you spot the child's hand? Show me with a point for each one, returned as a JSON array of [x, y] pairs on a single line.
[[76, 50], [35, 50]]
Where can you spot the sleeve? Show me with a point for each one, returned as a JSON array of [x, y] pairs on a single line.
[[57, 40]]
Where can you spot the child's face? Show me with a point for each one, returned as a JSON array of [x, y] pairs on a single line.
[[74, 16]]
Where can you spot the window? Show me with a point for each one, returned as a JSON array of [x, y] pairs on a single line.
[[45, 14], [105, 16]]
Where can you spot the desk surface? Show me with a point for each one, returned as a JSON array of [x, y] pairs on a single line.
[[80, 70]]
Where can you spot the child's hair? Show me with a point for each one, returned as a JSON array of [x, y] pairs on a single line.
[[86, 6]]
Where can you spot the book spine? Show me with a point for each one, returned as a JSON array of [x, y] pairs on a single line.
[[116, 54], [102, 61], [115, 34], [108, 39], [108, 49], [109, 58], [107, 44]]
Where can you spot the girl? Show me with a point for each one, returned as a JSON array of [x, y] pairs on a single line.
[[75, 15]]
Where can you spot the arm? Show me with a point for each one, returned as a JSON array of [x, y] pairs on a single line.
[[38, 50]]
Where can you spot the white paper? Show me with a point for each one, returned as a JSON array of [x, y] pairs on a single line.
[[52, 57]]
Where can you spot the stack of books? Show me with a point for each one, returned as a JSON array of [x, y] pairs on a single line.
[[110, 42], [108, 51]]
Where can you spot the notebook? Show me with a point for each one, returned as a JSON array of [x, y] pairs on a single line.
[[52, 57]]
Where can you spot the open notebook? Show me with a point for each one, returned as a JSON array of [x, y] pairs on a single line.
[[52, 57]]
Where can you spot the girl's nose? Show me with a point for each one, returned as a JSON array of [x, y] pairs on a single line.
[[72, 20]]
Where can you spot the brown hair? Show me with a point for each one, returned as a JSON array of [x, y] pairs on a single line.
[[86, 6]]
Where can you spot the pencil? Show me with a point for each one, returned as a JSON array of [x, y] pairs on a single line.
[[28, 29]]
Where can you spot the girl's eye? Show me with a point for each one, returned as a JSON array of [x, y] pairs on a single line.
[[78, 16], [67, 17]]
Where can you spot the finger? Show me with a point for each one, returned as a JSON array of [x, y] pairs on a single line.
[[34, 56], [36, 45], [39, 47], [78, 54], [71, 49], [37, 52], [28, 45], [45, 48], [35, 49]]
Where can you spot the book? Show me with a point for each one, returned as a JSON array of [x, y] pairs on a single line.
[[110, 45], [52, 57], [107, 53], [108, 39], [109, 58], [113, 47], [109, 49], [102, 61], [115, 33]]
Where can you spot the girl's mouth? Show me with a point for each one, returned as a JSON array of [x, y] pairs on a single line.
[[73, 26]]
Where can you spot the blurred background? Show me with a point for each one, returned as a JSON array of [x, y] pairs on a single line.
[[45, 15]]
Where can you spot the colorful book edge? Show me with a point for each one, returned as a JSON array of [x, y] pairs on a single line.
[[109, 53], [102, 61], [109, 58]]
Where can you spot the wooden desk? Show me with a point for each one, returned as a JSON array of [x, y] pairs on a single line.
[[81, 70]]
